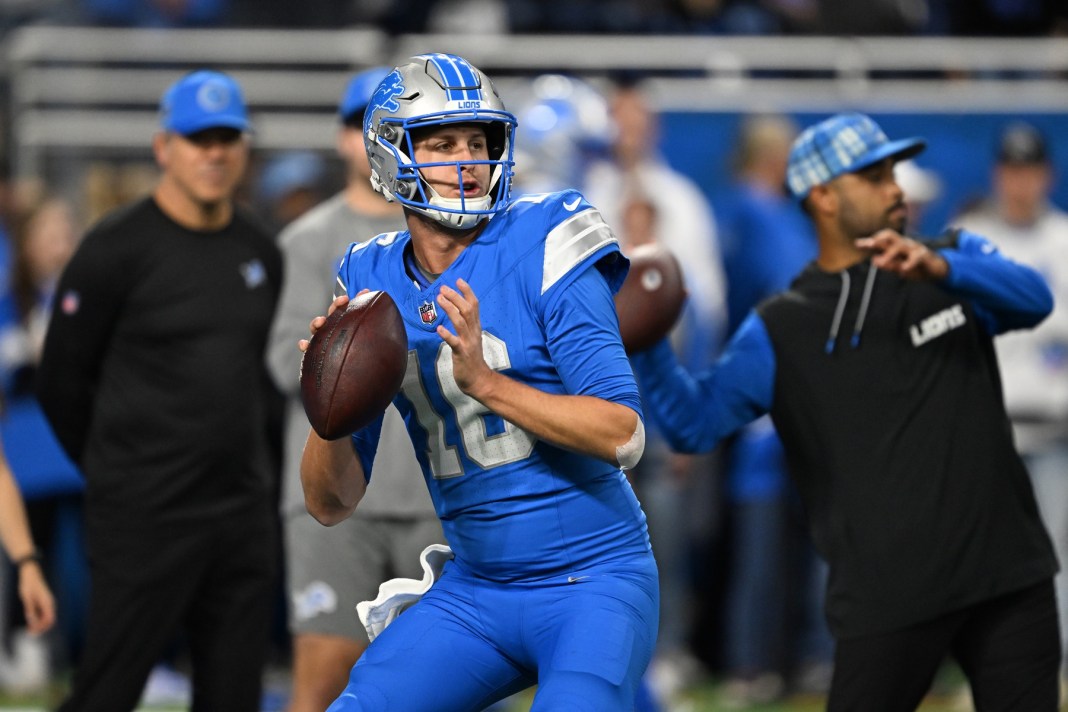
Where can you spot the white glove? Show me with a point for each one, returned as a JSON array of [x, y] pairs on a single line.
[[397, 595]]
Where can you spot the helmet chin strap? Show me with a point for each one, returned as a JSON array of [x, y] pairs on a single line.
[[451, 216]]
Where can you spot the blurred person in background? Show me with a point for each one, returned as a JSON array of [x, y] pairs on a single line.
[[38, 606], [639, 223], [110, 185], [153, 378], [773, 614], [330, 570], [764, 239], [290, 184], [687, 226], [44, 238], [1021, 220], [878, 369]]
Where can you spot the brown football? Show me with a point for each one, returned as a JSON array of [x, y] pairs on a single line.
[[354, 365], [651, 298]]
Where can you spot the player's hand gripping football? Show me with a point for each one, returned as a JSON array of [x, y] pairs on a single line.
[[353, 364], [468, 363], [905, 257], [317, 322]]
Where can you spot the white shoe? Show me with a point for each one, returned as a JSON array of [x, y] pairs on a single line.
[[814, 678], [167, 687], [27, 670], [743, 693], [672, 672]]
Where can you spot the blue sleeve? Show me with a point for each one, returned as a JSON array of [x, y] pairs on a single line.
[[695, 413], [582, 335], [697, 340], [1006, 295]]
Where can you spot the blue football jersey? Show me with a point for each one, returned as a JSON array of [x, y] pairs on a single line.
[[513, 507]]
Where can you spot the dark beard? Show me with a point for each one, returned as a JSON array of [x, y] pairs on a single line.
[[898, 225]]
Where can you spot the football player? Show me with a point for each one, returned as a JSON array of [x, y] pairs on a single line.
[[523, 410]]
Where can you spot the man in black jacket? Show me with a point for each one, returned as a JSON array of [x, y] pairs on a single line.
[[878, 369], [153, 379]]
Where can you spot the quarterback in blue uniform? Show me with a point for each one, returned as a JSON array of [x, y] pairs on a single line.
[[523, 411]]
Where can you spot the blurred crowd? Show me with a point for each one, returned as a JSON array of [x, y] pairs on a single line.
[[745, 17]]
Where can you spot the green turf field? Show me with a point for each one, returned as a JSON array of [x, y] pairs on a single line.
[[705, 698], [946, 696]]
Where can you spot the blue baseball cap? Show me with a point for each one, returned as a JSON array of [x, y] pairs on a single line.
[[203, 100], [359, 91], [291, 171], [841, 144]]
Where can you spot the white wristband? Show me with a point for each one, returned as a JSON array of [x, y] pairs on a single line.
[[628, 454]]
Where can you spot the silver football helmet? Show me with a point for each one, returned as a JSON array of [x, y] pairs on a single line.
[[431, 90]]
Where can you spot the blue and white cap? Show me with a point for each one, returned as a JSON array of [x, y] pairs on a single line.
[[203, 100], [841, 144]]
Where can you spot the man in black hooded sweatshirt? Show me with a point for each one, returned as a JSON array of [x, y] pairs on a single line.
[[878, 369]]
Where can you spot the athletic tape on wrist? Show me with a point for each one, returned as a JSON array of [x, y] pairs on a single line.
[[628, 454]]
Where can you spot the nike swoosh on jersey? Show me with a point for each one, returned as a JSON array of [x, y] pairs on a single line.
[[570, 207]]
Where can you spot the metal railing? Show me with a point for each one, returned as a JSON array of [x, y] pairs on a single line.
[[96, 90]]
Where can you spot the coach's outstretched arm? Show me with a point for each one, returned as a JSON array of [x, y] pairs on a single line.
[[696, 412]]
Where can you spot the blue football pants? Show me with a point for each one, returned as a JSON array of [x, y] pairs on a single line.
[[469, 642]]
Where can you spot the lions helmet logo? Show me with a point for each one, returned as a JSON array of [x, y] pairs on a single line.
[[385, 96]]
